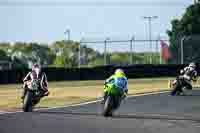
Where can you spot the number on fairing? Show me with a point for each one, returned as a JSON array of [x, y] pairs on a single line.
[[121, 82]]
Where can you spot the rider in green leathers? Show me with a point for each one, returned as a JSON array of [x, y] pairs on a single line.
[[117, 84]]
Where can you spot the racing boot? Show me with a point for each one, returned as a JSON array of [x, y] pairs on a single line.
[[104, 98]]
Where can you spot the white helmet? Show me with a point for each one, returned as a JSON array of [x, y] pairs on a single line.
[[192, 65], [36, 69]]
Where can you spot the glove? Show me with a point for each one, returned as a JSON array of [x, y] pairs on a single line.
[[182, 71], [105, 82]]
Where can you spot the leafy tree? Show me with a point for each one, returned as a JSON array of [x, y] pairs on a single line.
[[188, 25], [5, 46], [66, 53], [119, 58], [33, 52], [3, 55]]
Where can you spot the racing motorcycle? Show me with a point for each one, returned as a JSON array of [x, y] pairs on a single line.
[[112, 100], [178, 86], [32, 95]]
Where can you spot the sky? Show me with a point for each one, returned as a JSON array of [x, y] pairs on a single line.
[[46, 20]]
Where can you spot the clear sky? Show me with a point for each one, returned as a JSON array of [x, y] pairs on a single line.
[[46, 20]]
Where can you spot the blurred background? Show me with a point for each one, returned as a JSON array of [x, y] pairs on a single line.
[[75, 34]]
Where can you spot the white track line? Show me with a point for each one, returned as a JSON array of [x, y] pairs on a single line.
[[86, 103], [90, 102]]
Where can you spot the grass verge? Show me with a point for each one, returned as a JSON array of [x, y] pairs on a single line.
[[69, 92]]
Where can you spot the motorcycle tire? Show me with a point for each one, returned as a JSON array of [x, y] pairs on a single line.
[[176, 91], [108, 106], [27, 103]]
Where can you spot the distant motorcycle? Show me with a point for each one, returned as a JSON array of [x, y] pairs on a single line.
[[112, 101], [32, 96], [178, 86]]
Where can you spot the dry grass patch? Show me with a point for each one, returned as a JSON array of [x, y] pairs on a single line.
[[69, 92]]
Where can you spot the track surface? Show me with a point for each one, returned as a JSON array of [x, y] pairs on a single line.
[[158, 113]]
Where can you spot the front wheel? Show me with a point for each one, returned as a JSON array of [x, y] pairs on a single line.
[[176, 90], [27, 103], [108, 106]]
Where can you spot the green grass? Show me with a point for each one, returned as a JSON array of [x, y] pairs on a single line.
[[69, 92]]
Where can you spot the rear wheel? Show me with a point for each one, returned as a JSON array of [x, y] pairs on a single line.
[[27, 103], [108, 106]]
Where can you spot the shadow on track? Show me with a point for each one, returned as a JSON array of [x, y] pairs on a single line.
[[67, 113], [129, 116]]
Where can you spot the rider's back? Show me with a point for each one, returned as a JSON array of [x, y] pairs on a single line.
[[119, 82], [190, 72]]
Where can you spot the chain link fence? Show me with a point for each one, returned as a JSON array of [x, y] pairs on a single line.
[[186, 49], [120, 52]]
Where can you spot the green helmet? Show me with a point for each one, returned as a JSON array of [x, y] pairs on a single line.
[[119, 72]]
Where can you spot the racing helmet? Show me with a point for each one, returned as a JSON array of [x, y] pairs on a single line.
[[36, 69], [35, 66], [119, 72], [192, 64]]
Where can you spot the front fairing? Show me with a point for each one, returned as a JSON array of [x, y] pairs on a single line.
[[111, 89], [34, 87]]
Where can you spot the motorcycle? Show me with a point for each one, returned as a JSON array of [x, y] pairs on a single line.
[[112, 100], [32, 95], [179, 87], [176, 86]]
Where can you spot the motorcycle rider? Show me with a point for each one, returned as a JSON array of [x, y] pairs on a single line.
[[36, 73], [119, 80], [188, 74]]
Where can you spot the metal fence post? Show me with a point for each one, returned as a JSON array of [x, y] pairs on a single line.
[[131, 49], [79, 55], [160, 50], [105, 52], [184, 38], [182, 41]]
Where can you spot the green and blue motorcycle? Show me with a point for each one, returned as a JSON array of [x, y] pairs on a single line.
[[112, 99]]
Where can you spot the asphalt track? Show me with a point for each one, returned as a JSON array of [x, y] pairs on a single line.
[[157, 113]]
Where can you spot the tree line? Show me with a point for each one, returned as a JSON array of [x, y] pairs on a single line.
[[186, 30], [65, 54]]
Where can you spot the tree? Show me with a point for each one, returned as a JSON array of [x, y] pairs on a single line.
[[30, 53], [66, 53], [3, 55], [118, 58], [40, 53], [188, 25]]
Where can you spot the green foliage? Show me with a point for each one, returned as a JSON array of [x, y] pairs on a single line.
[[188, 25], [65, 54], [123, 58], [98, 61], [59, 61], [3, 55]]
